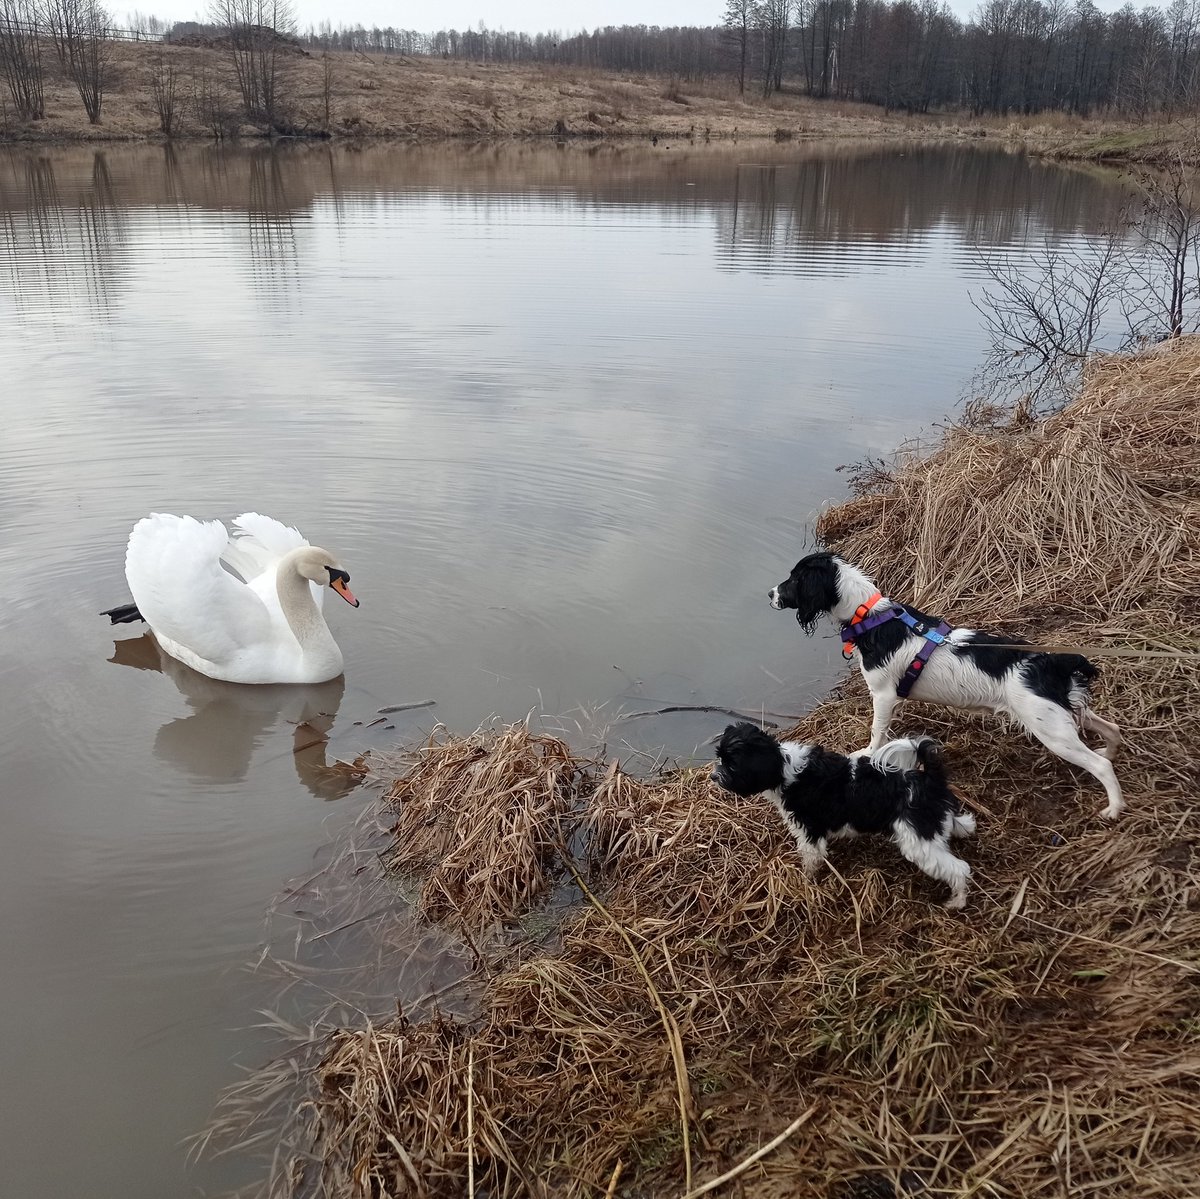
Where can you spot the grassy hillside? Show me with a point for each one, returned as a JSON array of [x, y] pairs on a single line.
[[389, 96]]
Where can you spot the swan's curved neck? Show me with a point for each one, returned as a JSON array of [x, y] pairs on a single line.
[[300, 609]]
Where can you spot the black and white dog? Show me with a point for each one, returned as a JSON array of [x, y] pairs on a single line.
[[1047, 694], [823, 796]]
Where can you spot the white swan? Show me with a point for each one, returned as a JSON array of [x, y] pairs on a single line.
[[261, 625]]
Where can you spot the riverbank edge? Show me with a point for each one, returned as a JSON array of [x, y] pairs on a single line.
[[705, 1000], [1149, 150]]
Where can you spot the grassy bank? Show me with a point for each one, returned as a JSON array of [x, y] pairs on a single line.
[[1148, 144], [421, 98], [703, 996]]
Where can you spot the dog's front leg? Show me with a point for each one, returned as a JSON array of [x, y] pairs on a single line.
[[884, 703], [812, 853]]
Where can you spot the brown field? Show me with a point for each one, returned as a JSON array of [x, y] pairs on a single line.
[[420, 98], [704, 1007]]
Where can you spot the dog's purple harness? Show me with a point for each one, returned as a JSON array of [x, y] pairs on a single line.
[[934, 636]]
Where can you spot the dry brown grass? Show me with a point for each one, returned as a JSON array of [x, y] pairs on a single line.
[[1089, 514], [426, 98], [706, 995], [478, 820]]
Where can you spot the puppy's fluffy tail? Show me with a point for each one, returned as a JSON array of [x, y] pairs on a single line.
[[909, 753]]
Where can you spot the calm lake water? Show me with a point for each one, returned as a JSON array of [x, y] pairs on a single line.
[[566, 414]]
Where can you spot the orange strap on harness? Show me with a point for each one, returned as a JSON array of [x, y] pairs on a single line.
[[860, 614]]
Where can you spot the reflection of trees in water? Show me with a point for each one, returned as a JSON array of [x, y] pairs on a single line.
[[209, 179], [777, 208], [104, 221], [33, 231], [274, 258], [805, 217], [336, 195], [173, 184], [49, 236]]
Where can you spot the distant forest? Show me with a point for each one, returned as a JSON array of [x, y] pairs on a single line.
[[1012, 56]]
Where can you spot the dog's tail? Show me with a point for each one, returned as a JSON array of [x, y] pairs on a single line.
[[909, 753]]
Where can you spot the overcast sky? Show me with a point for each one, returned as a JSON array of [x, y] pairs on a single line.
[[533, 16]]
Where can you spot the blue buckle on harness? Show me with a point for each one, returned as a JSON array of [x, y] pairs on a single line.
[[933, 638]]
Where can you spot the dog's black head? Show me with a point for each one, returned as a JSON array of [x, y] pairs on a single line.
[[811, 589], [749, 761]]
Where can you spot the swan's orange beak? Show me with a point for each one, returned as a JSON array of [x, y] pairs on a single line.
[[344, 592]]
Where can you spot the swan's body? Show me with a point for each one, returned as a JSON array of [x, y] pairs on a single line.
[[261, 625]]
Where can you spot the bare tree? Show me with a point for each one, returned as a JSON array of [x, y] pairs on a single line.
[[21, 58], [327, 88], [165, 92], [146, 24], [78, 29], [213, 106], [1166, 273], [773, 17], [257, 31], [1044, 317], [739, 21]]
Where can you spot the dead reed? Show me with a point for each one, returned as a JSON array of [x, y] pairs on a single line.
[[707, 1002], [1090, 512], [478, 820]]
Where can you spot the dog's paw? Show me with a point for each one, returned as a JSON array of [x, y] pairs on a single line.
[[1112, 811], [956, 902]]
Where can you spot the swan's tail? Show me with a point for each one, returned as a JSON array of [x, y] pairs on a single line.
[[123, 614]]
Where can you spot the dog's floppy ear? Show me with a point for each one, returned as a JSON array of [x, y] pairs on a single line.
[[751, 760], [736, 737], [813, 589]]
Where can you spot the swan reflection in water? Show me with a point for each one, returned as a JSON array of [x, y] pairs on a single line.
[[216, 742]]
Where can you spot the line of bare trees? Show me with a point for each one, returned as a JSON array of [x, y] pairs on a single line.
[[21, 59], [1022, 56], [254, 88], [76, 29]]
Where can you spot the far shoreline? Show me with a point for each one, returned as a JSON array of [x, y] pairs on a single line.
[[368, 100]]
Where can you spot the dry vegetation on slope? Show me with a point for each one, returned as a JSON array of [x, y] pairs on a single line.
[[705, 996], [419, 98]]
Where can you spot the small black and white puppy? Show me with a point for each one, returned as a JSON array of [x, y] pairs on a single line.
[[1045, 693], [899, 789]]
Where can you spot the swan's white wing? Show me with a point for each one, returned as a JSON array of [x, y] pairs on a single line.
[[173, 565], [257, 545], [258, 542]]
